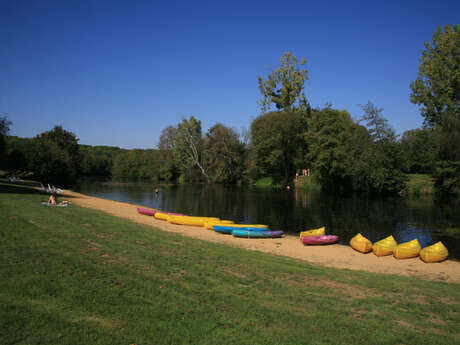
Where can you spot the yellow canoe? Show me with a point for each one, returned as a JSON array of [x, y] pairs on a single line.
[[361, 244], [385, 246], [263, 226], [314, 232], [209, 224], [161, 215], [434, 253], [407, 250], [189, 220]]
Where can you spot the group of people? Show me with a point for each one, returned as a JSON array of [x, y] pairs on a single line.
[[305, 172]]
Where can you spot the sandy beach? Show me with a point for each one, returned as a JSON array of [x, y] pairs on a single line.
[[339, 256]]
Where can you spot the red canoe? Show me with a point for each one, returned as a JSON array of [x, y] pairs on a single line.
[[146, 211], [325, 239]]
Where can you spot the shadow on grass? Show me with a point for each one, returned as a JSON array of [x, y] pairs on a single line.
[[15, 188]]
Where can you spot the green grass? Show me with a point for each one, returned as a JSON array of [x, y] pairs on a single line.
[[420, 184], [266, 182], [76, 276]]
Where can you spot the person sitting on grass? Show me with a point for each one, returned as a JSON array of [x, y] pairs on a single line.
[[52, 199]]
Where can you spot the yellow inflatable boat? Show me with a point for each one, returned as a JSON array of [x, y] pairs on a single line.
[[209, 224], [189, 220], [314, 232], [385, 246], [407, 250], [361, 244], [434, 253]]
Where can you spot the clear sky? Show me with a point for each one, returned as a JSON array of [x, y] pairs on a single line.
[[118, 72]]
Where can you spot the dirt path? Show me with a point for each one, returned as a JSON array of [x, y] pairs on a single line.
[[339, 256]]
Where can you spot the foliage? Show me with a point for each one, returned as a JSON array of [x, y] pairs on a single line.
[[224, 154], [188, 148], [4, 130], [97, 160], [277, 145], [139, 164], [377, 125], [284, 86], [420, 149], [168, 169], [447, 177], [437, 87]]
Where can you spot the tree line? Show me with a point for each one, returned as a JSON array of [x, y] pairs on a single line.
[[343, 153]]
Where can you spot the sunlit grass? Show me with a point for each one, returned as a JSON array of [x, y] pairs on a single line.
[[75, 276]]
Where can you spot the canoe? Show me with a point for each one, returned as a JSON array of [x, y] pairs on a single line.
[[361, 244], [190, 220], [434, 253], [227, 229], [385, 246], [257, 234], [165, 215], [209, 224], [325, 239], [145, 211], [407, 250], [314, 232]]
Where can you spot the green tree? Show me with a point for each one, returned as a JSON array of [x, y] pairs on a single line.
[[4, 130], [284, 87], [188, 148], [420, 149], [437, 87], [224, 154], [168, 170], [276, 145], [437, 91], [377, 125]]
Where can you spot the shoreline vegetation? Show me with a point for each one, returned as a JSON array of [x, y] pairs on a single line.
[[80, 276]]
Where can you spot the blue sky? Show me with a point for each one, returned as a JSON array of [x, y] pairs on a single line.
[[118, 72]]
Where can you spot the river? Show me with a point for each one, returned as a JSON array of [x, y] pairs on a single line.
[[296, 210]]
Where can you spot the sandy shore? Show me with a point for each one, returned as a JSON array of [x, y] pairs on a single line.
[[339, 256]]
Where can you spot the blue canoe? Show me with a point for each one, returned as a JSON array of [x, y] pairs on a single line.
[[223, 229], [256, 234]]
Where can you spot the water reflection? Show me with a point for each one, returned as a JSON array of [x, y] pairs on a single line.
[[295, 210]]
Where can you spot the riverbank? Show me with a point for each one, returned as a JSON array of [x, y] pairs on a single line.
[[337, 256]]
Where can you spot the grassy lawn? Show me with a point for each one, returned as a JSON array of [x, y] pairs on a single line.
[[75, 276], [420, 184]]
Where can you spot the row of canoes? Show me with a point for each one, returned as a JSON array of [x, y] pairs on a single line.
[[388, 246], [214, 223]]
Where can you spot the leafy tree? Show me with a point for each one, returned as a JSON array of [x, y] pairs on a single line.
[[4, 130], [188, 146], [224, 154], [377, 125], [168, 170], [97, 160], [420, 149], [437, 90], [138, 164], [276, 145], [437, 87], [284, 86]]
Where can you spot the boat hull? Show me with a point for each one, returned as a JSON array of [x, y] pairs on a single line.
[[257, 234], [361, 244], [227, 229], [384, 247], [434, 253], [191, 221], [319, 240], [145, 211], [407, 250], [314, 232]]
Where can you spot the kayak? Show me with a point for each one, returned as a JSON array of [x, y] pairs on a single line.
[[146, 211], [434, 253], [314, 232], [257, 234], [385, 246], [165, 215], [361, 244], [227, 229], [190, 220], [407, 250], [325, 239], [209, 224]]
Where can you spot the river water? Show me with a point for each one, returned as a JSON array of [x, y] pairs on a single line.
[[296, 210]]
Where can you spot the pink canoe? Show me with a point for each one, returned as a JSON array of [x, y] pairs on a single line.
[[146, 211], [325, 239]]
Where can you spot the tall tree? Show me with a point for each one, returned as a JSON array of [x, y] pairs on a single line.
[[166, 145], [437, 87], [377, 125], [188, 146], [284, 87], [224, 154], [437, 91], [4, 130]]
